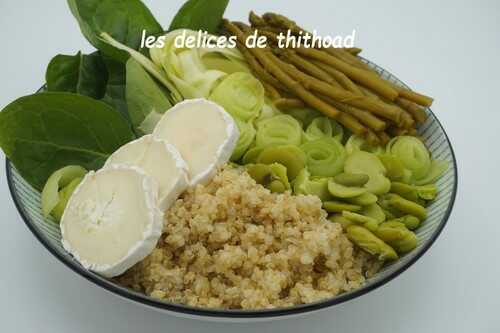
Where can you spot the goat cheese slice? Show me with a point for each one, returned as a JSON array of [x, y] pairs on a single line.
[[159, 160], [203, 132], [112, 220]]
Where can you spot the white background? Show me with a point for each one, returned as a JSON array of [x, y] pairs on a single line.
[[449, 49]]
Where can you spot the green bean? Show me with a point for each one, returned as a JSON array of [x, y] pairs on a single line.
[[351, 179], [398, 236], [415, 193], [374, 211], [406, 206], [364, 199], [367, 222], [366, 240], [304, 184], [272, 176], [344, 222], [341, 191], [333, 206], [410, 221]]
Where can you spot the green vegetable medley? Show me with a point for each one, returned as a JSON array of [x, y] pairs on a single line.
[[95, 103]]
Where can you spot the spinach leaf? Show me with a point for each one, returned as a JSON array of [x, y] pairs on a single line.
[[203, 15], [146, 100], [123, 20], [115, 86], [44, 132], [81, 74]]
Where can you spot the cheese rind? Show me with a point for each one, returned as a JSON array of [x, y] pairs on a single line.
[[157, 159], [112, 220], [203, 132]]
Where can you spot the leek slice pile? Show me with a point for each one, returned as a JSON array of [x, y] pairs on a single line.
[[325, 157]]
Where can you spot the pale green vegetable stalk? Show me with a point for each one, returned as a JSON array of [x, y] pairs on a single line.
[[325, 157], [57, 181], [437, 169], [240, 94], [247, 136], [322, 127], [151, 67], [412, 153], [278, 130], [356, 143], [195, 72], [146, 101]]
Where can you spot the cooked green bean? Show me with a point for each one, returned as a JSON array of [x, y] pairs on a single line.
[[367, 222], [366, 240], [303, 184], [398, 236], [341, 191], [364, 199], [405, 206], [333, 206], [351, 179]]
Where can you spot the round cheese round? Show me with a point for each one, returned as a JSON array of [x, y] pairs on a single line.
[[112, 220]]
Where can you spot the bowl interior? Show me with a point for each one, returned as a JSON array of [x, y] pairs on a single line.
[[27, 201]]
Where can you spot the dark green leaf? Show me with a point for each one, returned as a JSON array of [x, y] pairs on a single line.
[[81, 74], [44, 132], [123, 20], [115, 86], [203, 15], [146, 100]]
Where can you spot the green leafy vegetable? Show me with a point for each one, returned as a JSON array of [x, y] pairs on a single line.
[[436, 170], [81, 74], [191, 71], [278, 130], [322, 127], [325, 157], [148, 65], [356, 143], [203, 15], [247, 136], [412, 153], [123, 20], [115, 86], [57, 181], [146, 101], [42, 133], [240, 94]]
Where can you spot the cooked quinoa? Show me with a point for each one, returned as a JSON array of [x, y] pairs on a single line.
[[232, 244]]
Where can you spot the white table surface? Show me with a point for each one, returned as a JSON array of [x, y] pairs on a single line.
[[450, 49]]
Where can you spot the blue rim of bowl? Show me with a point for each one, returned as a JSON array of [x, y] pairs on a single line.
[[235, 314]]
